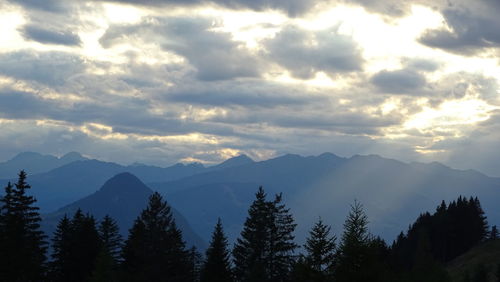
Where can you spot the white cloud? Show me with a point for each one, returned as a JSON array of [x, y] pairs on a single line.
[[155, 84]]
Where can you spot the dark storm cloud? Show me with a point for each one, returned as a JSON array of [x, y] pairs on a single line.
[[403, 81], [249, 93], [470, 32], [21, 105], [214, 54], [42, 35], [291, 7], [124, 114], [49, 68], [330, 118], [45, 5], [304, 53]]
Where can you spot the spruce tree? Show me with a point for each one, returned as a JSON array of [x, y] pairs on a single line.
[[23, 244], [281, 244], [86, 245], [106, 264], [134, 253], [320, 247], [76, 247], [250, 250], [353, 247], [61, 251], [217, 265], [111, 240], [426, 268], [493, 233], [264, 252], [195, 264], [104, 268], [154, 250]]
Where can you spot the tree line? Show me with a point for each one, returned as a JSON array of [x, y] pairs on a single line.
[[84, 249]]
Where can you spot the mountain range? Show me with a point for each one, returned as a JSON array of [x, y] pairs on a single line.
[[122, 197], [34, 163], [74, 180], [393, 193]]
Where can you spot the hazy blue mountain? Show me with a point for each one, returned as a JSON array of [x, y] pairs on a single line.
[[68, 183], [73, 181], [394, 193], [122, 197], [34, 163], [233, 162]]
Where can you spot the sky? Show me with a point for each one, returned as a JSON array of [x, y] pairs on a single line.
[[166, 81]]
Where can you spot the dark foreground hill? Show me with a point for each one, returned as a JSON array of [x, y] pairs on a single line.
[[485, 256], [123, 197]]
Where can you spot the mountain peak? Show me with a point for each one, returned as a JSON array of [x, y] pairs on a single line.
[[124, 182], [235, 161], [27, 156], [329, 156], [72, 156]]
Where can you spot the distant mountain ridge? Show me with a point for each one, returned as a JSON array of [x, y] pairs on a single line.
[[123, 197], [70, 182], [233, 162], [34, 163], [394, 193]]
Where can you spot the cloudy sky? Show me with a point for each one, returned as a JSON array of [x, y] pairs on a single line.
[[198, 80]]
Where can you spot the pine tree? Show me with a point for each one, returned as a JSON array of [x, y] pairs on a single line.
[[353, 247], [217, 266], [265, 250], [154, 250], [104, 269], [249, 252], [320, 247], [106, 264], [493, 233], [426, 268], [134, 253], [76, 247], [61, 255], [281, 244], [7, 232], [86, 245], [23, 244], [480, 223], [111, 240], [195, 264]]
